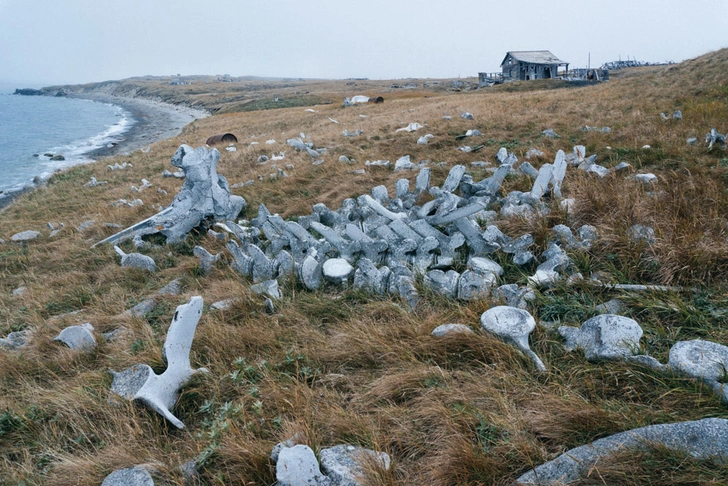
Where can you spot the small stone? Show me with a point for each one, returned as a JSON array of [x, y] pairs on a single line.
[[133, 476], [297, 466], [20, 291], [78, 337], [25, 236], [642, 234], [467, 116], [222, 305], [345, 465], [446, 329]]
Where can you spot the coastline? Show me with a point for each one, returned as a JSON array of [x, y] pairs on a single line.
[[152, 121]]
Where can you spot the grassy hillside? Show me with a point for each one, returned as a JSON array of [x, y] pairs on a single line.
[[342, 366]]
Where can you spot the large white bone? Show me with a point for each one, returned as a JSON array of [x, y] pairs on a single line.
[[160, 392]]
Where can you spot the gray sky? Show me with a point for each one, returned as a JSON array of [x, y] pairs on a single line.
[[79, 41]]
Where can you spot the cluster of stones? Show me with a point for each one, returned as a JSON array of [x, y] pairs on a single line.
[[382, 243], [341, 465]]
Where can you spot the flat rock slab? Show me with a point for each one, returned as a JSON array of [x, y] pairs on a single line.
[[704, 360], [604, 337], [345, 464], [702, 439], [133, 476], [78, 337], [297, 466], [25, 236]]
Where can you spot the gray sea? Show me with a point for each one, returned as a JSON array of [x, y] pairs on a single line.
[[33, 126]]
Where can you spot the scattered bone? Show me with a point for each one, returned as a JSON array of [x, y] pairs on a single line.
[[451, 329], [604, 337], [78, 337], [713, 137], [15, 340], [136, 260], [118, 166], [93, 183], [513, 326], [703, 360], [410, 128]]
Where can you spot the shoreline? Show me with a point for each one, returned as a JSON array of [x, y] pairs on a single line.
[[152, 121]]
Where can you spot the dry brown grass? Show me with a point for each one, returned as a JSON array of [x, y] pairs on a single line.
[[337, 366]]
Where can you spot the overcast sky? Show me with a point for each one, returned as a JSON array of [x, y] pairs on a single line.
[[80, 41]]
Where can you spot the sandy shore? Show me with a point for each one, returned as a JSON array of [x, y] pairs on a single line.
[[152, 121]]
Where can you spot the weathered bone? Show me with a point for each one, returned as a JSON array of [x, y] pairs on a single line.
[[160, 392], [204, 193]]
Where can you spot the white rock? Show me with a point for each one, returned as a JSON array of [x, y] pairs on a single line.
[[297, 466], [25, 235], [445, 329]]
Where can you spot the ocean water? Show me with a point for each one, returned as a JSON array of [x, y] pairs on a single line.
[[31, 126]]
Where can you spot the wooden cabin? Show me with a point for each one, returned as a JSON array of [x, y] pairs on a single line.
[[527, 65]]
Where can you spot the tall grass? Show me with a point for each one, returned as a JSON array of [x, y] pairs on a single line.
[[339, 366]]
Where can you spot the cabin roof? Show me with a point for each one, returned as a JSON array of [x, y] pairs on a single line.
[[533, 57]]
